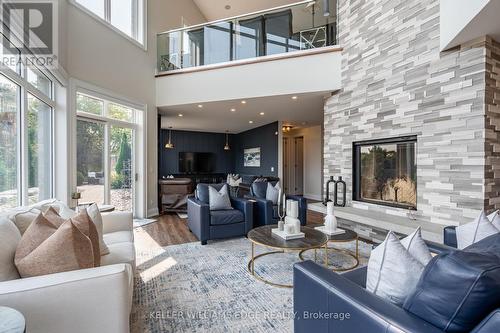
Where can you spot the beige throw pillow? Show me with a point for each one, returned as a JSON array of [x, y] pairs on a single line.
[[86, 226], [66, 249], [96, 217]]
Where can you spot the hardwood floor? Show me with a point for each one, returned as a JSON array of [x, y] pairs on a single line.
[[172, 230], [169, 230]]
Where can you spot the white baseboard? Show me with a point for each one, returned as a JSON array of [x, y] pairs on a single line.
[[153, 212], [312, 196]]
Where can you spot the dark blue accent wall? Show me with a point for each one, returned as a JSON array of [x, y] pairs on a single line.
[[264, 137], [226, 161], [198, 142]]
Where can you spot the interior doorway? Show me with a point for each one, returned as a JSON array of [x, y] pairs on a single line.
[[293, 165]]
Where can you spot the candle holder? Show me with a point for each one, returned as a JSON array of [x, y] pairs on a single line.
[[281, 212]]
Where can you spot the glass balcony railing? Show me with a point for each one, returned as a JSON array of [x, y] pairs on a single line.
[[301, 26]]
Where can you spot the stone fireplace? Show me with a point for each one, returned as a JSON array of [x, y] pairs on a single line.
[[404, 86]]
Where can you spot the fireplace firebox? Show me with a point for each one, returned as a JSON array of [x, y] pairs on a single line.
[[385, 172]]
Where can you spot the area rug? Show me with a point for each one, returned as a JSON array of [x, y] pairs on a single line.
[[195, 288]]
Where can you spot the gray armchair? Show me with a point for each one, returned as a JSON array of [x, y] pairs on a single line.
[[217, 224]]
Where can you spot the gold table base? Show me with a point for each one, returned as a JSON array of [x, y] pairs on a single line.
[[354, 255], [251, 264]]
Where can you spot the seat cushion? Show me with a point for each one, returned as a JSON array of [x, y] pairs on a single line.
[[119, 237], [119, 253], [224, 217], [457, 290]]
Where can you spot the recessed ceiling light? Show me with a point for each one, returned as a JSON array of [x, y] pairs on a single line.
[[294, 97], [228, 7], [243, 102], [250, 122], [262, 113], [233, 110], [181, 115], [200, 106]]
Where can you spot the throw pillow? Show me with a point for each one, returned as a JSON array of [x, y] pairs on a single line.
[[457, 290], [95, 216], [495, 219], [273, 192], [470, 233], [86, 226], [219, 200], [9, 238], [392, 271], [23, 217], [65, 250], [417, 247]]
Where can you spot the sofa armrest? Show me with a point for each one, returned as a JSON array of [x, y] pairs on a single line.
[[490, 324], [199, 218], [263, 211], [439, 248], [90, 300], [319, 293], [450, 236], [117, 221], [246, 207], [302, 207]]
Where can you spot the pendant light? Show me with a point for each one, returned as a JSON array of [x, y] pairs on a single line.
[[169, 144], [226, 146], [326, 8]]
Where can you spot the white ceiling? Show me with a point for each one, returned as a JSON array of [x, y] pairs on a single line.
[[215, 9], [305, 111]]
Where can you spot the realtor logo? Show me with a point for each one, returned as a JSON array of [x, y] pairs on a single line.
[[30, 27]]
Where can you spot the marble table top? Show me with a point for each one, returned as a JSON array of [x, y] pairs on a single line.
[[11, 321]]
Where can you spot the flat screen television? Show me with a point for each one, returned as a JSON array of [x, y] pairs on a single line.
[[196, 162]]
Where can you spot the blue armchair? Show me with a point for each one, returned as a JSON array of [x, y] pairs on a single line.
[[265, 212], [217, 224], [319, 293]]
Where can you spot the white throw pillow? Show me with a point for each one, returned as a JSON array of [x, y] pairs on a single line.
[[392, 272], [219, 200], [23, 216], [495, 219], [417, 247], [273, 192], [95, 216], [470, 233]]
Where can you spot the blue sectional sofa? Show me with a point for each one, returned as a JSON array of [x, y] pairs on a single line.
[[325, 301]]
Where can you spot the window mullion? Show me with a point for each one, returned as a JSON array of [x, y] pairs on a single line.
[[24, 147], [107, 10]]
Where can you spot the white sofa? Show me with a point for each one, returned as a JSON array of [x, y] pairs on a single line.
[[89, 300]]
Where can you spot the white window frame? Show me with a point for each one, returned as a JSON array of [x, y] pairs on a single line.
[[26, 88], [139, 126], [138, 10]]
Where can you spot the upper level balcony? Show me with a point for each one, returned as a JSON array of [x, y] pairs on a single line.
[[299, 40]]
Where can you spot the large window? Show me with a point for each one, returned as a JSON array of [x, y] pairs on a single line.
[[125, 15], [26, 145], [105, 151], [385, 172]]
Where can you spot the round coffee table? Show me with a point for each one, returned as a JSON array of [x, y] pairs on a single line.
[[263, 236], [11, 321], [347, 236]]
